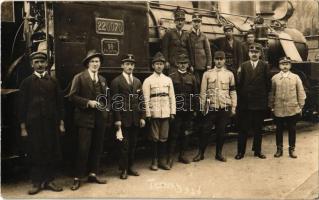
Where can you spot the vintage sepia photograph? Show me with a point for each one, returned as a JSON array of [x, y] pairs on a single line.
[[160, 99]]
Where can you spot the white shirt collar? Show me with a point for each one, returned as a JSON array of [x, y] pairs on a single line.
[[126, 76], [285, 74], [92, 74], [39, 75], [181, 71], [254, 63], [155, 74]]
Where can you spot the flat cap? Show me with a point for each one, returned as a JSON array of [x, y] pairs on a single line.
[[182, 58], [196, 17], [219, 54], [179, 14], [255, 47], [38, 55], [284, 60], [128, 58], [228, 27]]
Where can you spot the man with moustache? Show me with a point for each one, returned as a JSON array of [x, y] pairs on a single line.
[[218, 101], [89, 95], [129, 116], [199, 48], [253, 88], [286, 99], [175, 41], [186, 90], [41, 120], [160, 107]]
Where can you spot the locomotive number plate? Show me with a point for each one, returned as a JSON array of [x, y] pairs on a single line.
[[109, 26], [110, 47]]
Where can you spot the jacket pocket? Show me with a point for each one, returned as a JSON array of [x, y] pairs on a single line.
[[211, 83], [225, 85]]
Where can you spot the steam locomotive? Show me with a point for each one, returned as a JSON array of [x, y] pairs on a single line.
[[66, 30]]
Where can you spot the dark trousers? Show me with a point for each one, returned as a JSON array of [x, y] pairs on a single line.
[[182, 127], [199, 75], [250, 120], [219, 118], [90, 147], [291, 126], [127, 147], [42, 173]]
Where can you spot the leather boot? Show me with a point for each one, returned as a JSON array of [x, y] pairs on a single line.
[[162, 162], [199, 156], [154, 165], [279, 152], [171, 151], [182, 158], [292, 152]]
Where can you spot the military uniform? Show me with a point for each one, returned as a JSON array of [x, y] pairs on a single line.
[[159, 96], [186, 90], [200, 53], [218, 97], [175, 43]]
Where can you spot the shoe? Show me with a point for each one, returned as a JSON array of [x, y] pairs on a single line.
[[183, 159], [154, 165], [132, 173], [220, 158], [76, 184], [94, 179], [52, 186], [239, 156], [123, 175], [170, 162], [292, 153], [36, 188], [260, 155], [163, 165], [198, 157], [278, 153]]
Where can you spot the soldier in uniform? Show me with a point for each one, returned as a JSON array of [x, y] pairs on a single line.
[[199, 48], [90, 116], [160, 108], [218, 101], [175, 41], [286, 99], [41, 120], [253, 87], [129, 116], [232, 48], [186, 90]]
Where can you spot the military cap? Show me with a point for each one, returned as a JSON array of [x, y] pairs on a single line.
[[38, 55], [182, 58], [128, 58], [227, 27], [91, 54], [196, 17], [159, 57], [255, 47], [284, 60], [219, 54], [179, 14]]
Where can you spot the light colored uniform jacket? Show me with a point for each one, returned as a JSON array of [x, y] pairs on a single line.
[[159, 96], [287, 95], [218, 89]]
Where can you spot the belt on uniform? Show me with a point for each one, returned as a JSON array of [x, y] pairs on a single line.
[[163, 94]]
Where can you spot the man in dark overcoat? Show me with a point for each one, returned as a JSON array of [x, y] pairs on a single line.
[[89, 93], [129, 115], [41, 120], [253, 87], [175, 41], [232, 48]]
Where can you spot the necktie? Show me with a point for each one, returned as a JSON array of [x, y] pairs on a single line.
[[94, 79], [130, 80]]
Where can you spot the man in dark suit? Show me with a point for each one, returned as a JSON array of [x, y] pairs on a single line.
[[175, 41], [232, 48], [41, 118], [128, 113], [253, 87], [89, 93]]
